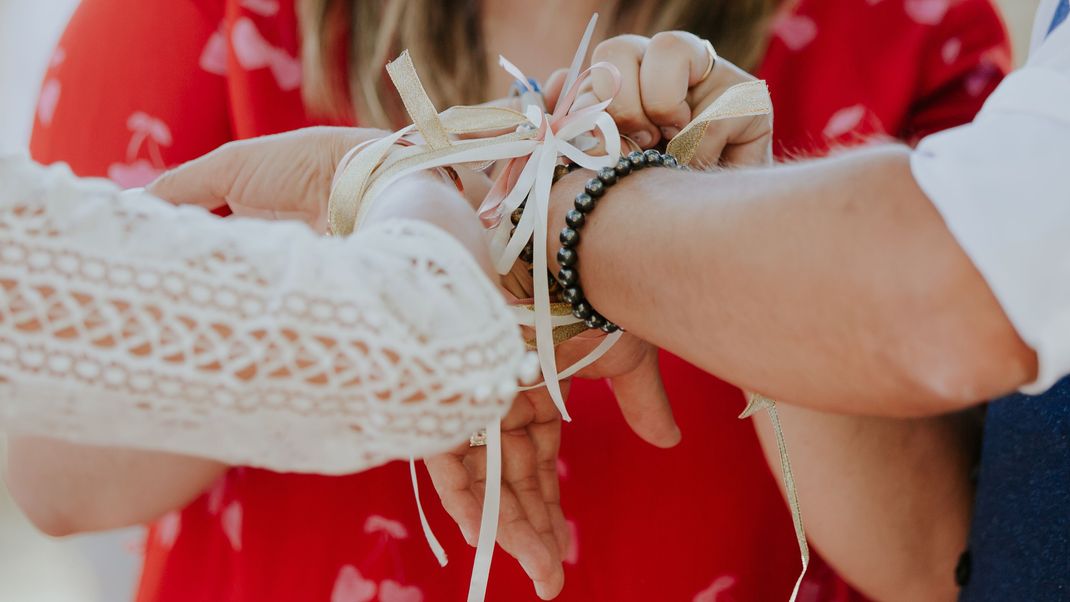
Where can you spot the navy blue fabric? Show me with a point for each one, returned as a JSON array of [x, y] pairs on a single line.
[[1020, 541], [1061, 13]]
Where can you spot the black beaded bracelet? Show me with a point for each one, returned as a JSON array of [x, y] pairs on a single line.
[[568, 256]]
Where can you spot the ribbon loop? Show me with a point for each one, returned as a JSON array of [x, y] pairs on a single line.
[[749, 99], [417, 103], [531, 147]]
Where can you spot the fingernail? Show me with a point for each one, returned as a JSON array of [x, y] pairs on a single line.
[[542, 590], [642, 138], [669, 132], [468, 537]]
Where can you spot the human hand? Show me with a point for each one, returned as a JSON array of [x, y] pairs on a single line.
[[531, 525], [666, 81], [286, 176]]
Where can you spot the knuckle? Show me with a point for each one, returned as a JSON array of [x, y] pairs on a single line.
[[662, 108], [627, 115], [620, 46], [671, 42]]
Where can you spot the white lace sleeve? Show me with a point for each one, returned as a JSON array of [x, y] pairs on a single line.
[[126, 321]]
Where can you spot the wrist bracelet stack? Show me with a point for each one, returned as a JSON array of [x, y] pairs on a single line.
[[568, 256], [527, 254]]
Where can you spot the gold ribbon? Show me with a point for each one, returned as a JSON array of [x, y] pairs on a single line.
[[561, 333], [755, 404], [380, 162], [417, 103], [749, 99]]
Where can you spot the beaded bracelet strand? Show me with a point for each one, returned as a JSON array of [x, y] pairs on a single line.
[[568, 256]]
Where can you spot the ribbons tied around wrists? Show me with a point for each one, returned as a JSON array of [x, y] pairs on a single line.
[[532, 146]]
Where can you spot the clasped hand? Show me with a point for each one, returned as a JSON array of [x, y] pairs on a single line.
[[666, 80]]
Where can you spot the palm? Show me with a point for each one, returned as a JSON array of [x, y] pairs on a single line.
[[531, 525]]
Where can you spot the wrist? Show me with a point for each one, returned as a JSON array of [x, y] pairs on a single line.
[[579, 221], [562, 195]]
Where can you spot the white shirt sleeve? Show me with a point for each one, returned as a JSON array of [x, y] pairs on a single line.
[[126, 321], [1002, 185]]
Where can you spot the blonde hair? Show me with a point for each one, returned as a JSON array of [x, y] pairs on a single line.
[[347, 43]]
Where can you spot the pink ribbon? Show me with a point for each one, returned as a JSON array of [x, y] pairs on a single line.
[[564, 113]]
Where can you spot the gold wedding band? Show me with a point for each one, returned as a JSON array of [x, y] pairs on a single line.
[[478, 439], [713, 60]]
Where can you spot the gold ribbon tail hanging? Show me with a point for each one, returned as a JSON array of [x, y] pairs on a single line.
[[755, 404], [742, 100]]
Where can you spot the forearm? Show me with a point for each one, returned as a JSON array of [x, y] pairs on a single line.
[[65, 488], [251, 342], [894, 529], [829, 284]]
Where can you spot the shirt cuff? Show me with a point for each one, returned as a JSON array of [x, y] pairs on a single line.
[[1002, 186]]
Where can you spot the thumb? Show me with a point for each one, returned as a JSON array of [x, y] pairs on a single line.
[[200, 182], [641, 396], [551, 92]]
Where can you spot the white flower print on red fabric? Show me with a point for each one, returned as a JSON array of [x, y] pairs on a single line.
[[982, 76], [214, 56], [254, 52], [380, 524], [231, 520], [718, 591], [215, 496], [148, 136], [796, 31], [573, 555], [927, 12], [48, 100], [168, 527], [844, 121], [58, 56], [951, 50], [392, 591], [351, 586], [264, 8]]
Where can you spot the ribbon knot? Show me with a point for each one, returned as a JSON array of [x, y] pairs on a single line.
[[531, 151]]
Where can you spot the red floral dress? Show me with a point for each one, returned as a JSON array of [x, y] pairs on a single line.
[[135, 87]]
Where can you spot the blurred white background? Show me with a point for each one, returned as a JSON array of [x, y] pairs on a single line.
[[34, 568]]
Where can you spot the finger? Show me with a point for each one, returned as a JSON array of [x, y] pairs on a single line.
[[453, 483], [641, 396], [741, 142], [546, 438], [625, 52], [523, 522], [202, 182], [551, 92], [674, 61], [520, 474], [537, 556], [753, 146]]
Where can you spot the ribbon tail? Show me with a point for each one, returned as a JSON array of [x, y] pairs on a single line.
[[417, 103], [742, 100], [543, 322], [344, 207], [429, 535], [581, 54], [488, 526], [756, 403]]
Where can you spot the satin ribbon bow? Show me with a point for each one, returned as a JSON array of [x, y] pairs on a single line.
[[531, 149]]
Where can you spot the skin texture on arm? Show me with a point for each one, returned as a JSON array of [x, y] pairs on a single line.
[[832, 284], [66, 488], [886, 501]]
